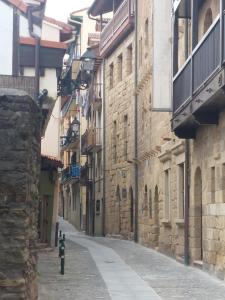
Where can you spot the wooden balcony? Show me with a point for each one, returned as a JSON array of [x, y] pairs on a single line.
[[91, 140], [118, 28], [198, 88], [22, 83], [86, 175]]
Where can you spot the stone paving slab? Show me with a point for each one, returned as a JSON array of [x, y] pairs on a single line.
[[170, 279], [82, 280], [106, 268]]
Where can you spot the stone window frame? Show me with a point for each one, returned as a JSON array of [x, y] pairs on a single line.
[[178, 152], [111, 76], [130, 59], [213, 184], [165, 158], [120, 67]]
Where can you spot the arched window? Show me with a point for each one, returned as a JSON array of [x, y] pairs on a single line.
[[208, 19]]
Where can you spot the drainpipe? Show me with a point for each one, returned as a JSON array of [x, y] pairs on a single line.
[[135, 126], [187, 166], [104, 160], [37, 47], [187, 201]]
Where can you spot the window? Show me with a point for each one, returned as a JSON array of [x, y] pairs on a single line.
[[140, 52], [167, 194], [114, 142], [120, 67], [129, 59], [180, 189], [150, 204], [98, 207], [125, 137], [146, 34], [111, 75], [213, 185], [208, 20]]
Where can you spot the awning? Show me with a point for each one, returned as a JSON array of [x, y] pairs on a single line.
[[100, 7]]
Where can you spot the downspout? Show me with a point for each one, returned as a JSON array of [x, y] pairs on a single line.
[[104, 148], [187, 201], [187, 166], [37, 48], [135, 126]]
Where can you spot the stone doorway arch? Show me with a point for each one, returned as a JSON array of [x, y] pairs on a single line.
[[197, 220]]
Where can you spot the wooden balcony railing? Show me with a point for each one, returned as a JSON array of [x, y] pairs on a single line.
[[90, 140], [22, 83], [123, 15]]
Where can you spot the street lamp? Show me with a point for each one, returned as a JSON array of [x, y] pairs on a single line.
[[75, 126]]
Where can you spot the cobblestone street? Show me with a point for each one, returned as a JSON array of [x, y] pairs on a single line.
[[103, 268]]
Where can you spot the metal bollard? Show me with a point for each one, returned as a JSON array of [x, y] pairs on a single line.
[[64, 237], [56, 233], [62, 257], [60, 242]]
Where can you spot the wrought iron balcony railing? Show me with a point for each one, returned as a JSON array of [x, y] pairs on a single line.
[[71, 172], [72, 138]]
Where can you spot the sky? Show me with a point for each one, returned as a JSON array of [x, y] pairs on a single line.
[[60, 10]]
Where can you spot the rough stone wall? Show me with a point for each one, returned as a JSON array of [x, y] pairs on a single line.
[[19, 175], [119, 175], [158, 150], [208, 151]]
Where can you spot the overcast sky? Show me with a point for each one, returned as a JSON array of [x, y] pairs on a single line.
[[60, 9]]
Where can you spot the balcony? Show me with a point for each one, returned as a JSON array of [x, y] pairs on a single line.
[[91, 141], [71, 173], [22, 83], [198, 87], [120, 26], [72, 139], [95, 96], [86, 175]]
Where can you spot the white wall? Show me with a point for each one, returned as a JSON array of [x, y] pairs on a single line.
[[162, 55], [24, 28], [50, 142], [6, 34], [50, 32], [49, 82]]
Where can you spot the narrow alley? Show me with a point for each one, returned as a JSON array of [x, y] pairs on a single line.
[[106, 268]]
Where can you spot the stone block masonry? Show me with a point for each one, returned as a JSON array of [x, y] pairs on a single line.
[[20, 123]]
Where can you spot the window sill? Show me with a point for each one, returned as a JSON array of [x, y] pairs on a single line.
[[180, 222], [166, 222]]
